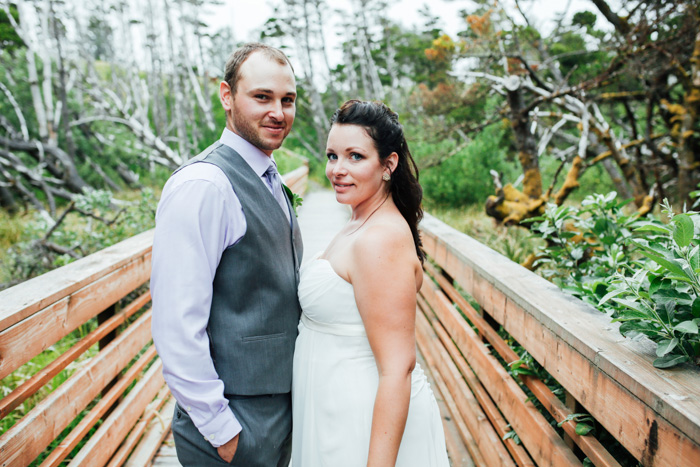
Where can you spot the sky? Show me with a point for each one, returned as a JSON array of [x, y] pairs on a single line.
[[246, 16]]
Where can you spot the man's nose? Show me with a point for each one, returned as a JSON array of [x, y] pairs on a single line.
[[276, 112]]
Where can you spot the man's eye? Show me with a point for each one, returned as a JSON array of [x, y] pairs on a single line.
[[288, 100], [261, 96]]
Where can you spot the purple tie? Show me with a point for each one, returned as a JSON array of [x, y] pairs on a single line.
[[273, 180]]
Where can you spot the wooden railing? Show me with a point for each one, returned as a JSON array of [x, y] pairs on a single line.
[[654, 414], [475, 304], [115, 406]]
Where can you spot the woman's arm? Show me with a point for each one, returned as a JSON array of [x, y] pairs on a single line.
[[383, 276]]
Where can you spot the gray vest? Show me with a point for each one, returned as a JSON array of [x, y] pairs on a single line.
[[255, 310]]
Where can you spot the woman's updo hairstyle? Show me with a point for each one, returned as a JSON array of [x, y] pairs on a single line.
[[382, 125]]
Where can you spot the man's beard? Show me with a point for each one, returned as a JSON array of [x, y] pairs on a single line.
[[251, 133]]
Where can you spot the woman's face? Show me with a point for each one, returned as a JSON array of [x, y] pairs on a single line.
[[353, 167]]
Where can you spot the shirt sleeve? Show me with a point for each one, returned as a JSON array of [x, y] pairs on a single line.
[[197, 218]]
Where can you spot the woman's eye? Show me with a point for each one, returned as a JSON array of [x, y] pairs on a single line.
[[356, 157], [331, 156]]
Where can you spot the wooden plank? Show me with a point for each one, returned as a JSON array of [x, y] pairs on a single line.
[[139, 429], [27, 298], [456, 450], [462, 370], [25, 440], [489, 441], [33, 384], [426, 348], [582, 350], [26, 339], [167, 455], [297, 179], [61, 451], [157, 432], [542, 442], [105, 441], [588, 444]]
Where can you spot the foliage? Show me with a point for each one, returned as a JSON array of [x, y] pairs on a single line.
[[513, 242], [641, 272], [464, 178], [9, 39], [95, 221], [26, 371]]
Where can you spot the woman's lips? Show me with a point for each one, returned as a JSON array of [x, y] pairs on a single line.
[[342, 187]]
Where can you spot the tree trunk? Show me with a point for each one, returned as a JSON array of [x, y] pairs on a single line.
[[525, 140], [687, 169]]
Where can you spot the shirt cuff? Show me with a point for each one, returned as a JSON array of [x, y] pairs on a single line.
[[221, 429]]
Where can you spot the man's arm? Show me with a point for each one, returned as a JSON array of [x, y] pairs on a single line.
[[193, 227]]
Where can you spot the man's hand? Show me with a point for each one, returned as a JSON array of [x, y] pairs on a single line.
[[228, 450]]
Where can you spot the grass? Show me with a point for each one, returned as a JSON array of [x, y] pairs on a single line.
[[515, 243], [29, 369]]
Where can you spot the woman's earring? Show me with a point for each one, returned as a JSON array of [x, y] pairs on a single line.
[[386, 177]]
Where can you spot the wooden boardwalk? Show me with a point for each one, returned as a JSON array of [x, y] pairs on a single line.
[[320, 218], [470, 297]]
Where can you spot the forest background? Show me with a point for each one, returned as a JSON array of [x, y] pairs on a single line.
[[555, 142]]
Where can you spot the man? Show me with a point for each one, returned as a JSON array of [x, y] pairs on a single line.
[[226, 257]]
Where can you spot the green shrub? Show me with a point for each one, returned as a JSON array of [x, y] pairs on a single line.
[[464, 178], [641, 272]]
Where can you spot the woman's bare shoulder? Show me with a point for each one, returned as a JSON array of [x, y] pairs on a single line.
[[383, 244]]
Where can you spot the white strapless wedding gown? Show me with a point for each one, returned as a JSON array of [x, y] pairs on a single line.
[[335, 383]]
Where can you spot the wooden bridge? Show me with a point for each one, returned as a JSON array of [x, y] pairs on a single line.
[[474, 308]]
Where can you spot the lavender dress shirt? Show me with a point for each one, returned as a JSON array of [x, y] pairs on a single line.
[[198, 217]]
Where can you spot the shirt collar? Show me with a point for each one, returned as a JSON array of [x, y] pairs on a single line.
[[256, 159]]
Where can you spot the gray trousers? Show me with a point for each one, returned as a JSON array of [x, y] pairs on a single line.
[[265, 440]]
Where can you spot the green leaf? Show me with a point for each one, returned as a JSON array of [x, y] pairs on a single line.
[[512, 435], [582, 429], [655, 284], [696, 308], [683, 230], [653, 227], [695, 258], [670, 264], [670, 361], [688, 327], [638, 308], [679, 278], [666, 347], [609, 295]]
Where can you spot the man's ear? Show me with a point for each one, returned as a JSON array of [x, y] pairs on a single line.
[[226, 96]]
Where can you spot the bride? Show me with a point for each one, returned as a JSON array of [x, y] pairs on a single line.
[[359, 398]]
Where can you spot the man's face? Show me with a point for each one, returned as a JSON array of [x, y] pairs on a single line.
[[263, 108]]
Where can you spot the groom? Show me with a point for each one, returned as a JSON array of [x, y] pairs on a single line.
[[226, 257]]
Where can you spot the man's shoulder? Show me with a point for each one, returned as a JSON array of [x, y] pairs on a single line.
[[199, 172]]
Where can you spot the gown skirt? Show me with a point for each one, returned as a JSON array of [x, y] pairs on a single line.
[[335, 383]]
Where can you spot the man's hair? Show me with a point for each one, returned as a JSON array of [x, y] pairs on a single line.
[[233, 64]]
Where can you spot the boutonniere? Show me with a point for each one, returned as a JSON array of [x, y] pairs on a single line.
[[294, 199]]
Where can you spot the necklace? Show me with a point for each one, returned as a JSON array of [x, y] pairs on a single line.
[[370, 215]]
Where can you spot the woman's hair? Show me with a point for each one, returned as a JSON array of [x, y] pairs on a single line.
[[382, 125]]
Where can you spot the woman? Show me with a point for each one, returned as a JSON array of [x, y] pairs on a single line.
[[358, 396]]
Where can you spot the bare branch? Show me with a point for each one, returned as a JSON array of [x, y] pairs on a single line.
[[620, 24], [18, 111]]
